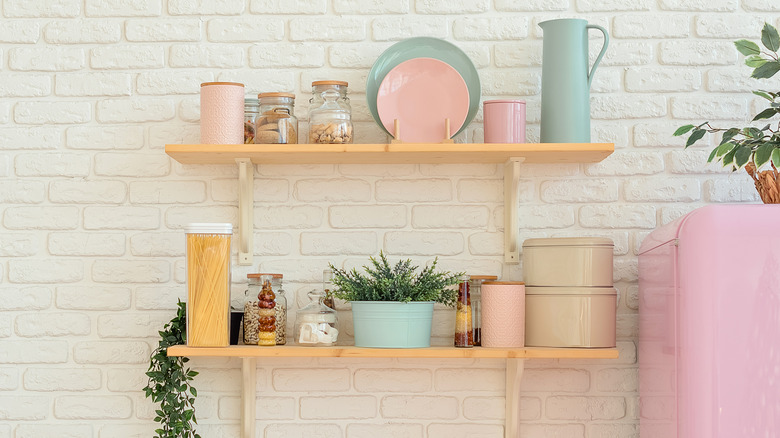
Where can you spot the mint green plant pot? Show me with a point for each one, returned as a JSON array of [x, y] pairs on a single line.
[[388, 324]]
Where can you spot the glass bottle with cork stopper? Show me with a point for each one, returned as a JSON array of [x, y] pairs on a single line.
[[464, 332], [328, 288]]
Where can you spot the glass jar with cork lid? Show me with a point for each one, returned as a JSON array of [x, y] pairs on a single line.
[[276, 122], [330, 114]]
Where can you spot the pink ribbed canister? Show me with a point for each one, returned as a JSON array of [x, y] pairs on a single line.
[[503, 314], [504, 121], [221, 113]]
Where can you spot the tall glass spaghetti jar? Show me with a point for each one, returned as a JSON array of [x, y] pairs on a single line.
[[330, 114], [208, 284]]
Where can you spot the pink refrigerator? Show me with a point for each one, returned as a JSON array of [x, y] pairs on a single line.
[[709, 321]]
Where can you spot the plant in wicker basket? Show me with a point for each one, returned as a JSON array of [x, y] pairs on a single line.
[[751, 147]]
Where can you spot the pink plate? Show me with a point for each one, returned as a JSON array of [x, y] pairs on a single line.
[[421, 93]]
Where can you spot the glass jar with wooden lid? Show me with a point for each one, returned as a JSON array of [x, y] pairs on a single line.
[[276, 121], [330, 114]]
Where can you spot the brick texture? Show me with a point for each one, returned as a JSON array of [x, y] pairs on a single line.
[[92, 210]]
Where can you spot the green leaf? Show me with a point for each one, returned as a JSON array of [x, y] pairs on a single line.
[[683, 129], [753, 133], [770, 38], [776, 157], [767, 70], [695, 136], [747, 48], [728, 135], [765, 114], [742, 156], [754, 61], [712, 155], [729, 157], [763, 154], [764, 95], [724, 149]]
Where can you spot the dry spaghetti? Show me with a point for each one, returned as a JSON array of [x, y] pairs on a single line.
[[208, 288]]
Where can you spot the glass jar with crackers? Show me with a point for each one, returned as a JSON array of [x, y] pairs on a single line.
[[276, 122]]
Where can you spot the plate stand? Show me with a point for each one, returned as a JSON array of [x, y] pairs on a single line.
[[397, 132]]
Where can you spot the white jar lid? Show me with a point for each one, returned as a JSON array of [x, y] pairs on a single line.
[[208, 228]]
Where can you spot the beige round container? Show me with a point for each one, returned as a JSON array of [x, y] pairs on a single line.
[[575, 261], [570, 316], [503, 309]]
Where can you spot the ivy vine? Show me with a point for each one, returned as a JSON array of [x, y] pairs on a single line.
[[170, 382]]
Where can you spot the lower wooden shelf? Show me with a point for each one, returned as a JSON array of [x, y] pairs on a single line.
[[431, 352], [514, 357]]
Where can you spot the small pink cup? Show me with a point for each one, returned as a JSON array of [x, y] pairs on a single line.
[[503, 314], [504, 121], [221, 113]]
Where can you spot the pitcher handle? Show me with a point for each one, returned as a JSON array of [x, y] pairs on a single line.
[[601, 54]]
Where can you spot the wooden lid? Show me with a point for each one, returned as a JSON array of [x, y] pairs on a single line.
[[262, 95], [259, 275], [503, 283], [344, 83], [484, 277], [237, 84]]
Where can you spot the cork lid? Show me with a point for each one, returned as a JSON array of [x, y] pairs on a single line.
[[484, 277], [504, 283], [262, 95], [255, 275], [342, 83], [237, 84], [568, 241]]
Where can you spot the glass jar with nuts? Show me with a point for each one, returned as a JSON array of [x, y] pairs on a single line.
[[330, 115], [276, 122]]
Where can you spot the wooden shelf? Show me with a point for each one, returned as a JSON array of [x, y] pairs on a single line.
[[407, 153], [432, 352]]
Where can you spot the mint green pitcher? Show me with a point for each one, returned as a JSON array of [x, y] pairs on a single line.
[[566, 80]]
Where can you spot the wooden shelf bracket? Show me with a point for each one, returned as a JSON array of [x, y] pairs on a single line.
[[248, 394], [246, 202], [511, 205]]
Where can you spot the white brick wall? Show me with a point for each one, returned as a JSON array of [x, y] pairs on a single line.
[[91, 209]]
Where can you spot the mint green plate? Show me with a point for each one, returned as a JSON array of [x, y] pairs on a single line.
[[423, 47]]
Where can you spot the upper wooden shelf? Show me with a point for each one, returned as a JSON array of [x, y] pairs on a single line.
[[406, 153], [432, 352]]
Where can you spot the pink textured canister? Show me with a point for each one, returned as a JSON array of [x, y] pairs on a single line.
[[504, 121], [221, 113], [503, 314]]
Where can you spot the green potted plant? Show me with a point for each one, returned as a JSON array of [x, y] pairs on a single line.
[[751, 147], [169, 382], [392, 306]]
